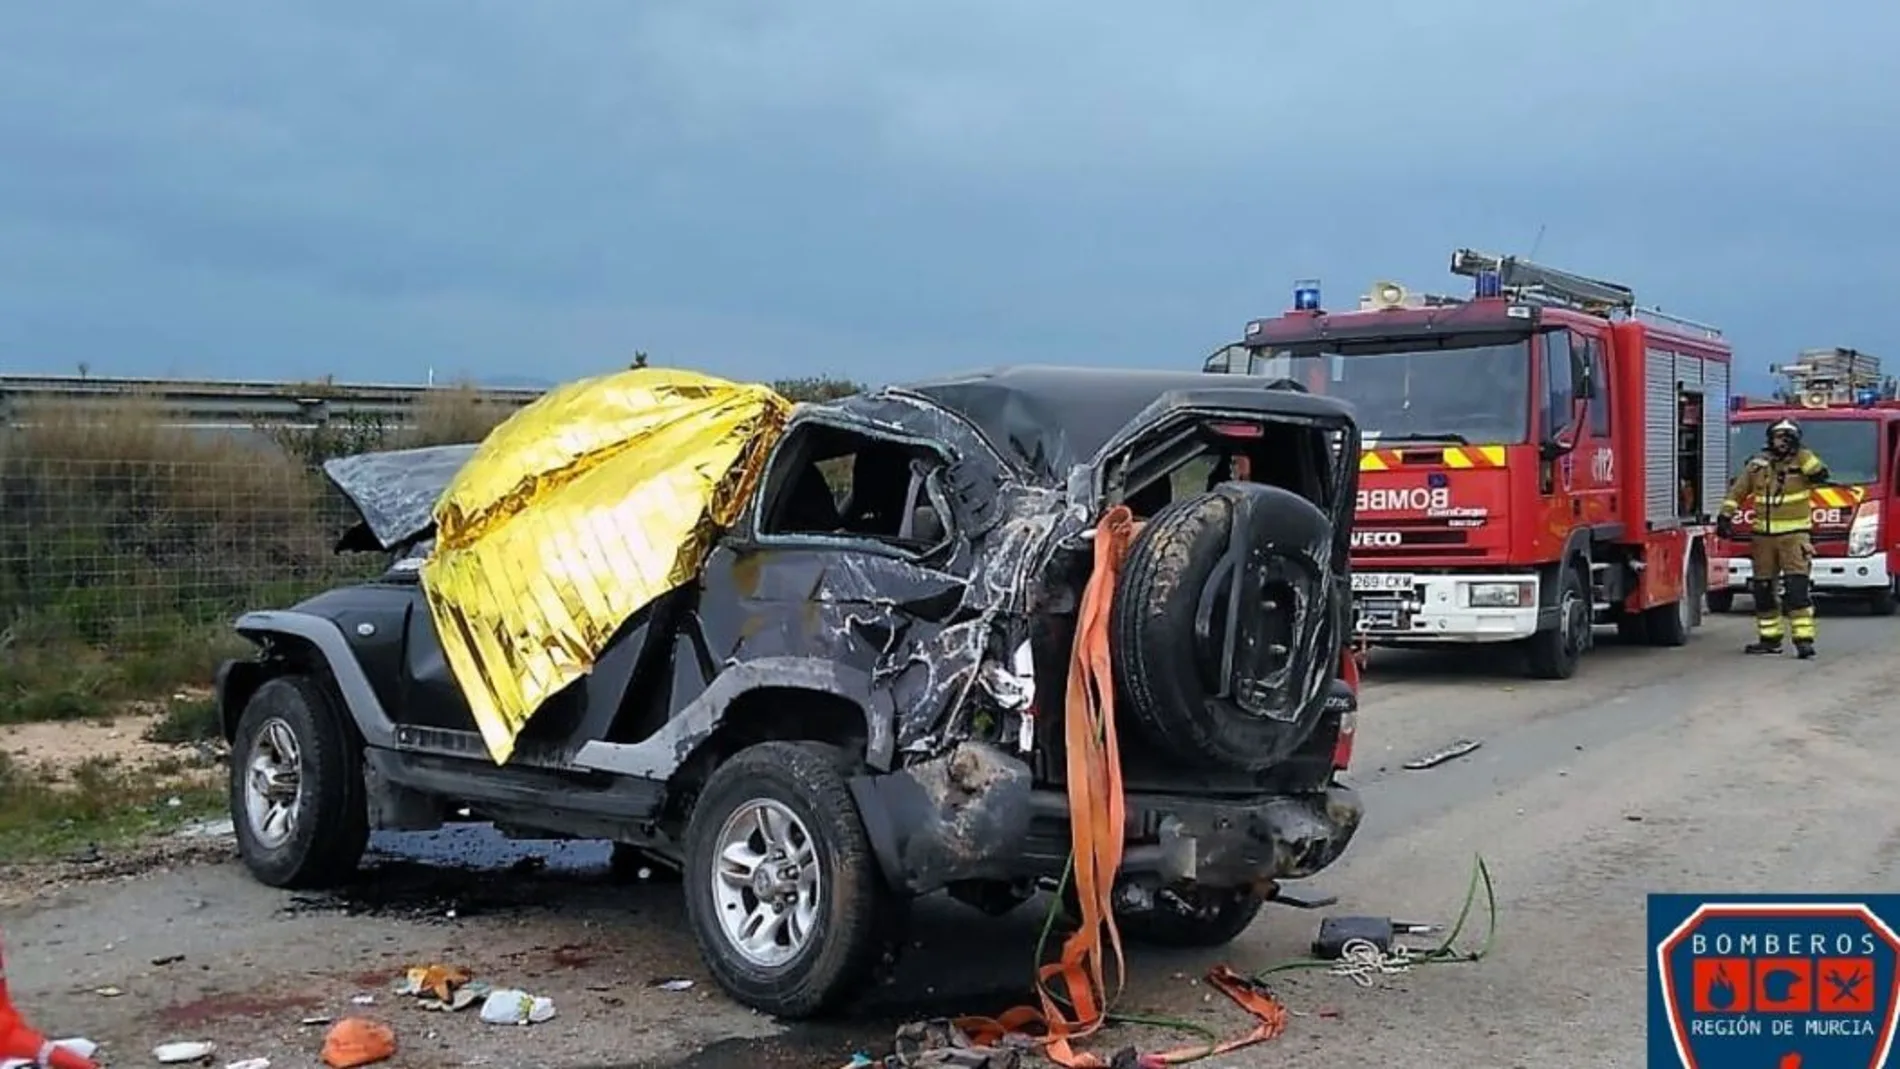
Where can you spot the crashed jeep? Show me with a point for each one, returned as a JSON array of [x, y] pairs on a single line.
[[856, 696]]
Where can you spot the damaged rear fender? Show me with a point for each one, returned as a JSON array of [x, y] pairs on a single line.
[[761, 687]]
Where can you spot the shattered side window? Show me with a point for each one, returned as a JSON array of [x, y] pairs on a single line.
[[837, 483], [1293, 457]]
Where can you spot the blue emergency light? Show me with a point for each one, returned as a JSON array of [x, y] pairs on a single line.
[[1736, 401], [1868, 397], [1488, 284], [1306, 295]]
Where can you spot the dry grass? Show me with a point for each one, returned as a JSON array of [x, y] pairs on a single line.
[[128, 544], [47, 811]]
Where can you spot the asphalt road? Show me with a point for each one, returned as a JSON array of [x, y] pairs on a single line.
[[1653, 770]]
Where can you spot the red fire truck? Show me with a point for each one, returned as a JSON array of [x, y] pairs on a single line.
[[1850, 415], [1539, 458]]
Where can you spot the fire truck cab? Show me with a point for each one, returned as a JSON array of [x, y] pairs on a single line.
[[1850, 417], [1539, 458]]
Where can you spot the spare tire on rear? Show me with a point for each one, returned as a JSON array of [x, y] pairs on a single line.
[[1180, 686]]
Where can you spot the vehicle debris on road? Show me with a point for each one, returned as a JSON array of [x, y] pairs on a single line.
[[358, 1041], [1445, 753], [185, 1051], [442, 987], [508, 1006]]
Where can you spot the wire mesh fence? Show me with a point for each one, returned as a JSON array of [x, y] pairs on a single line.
[[130, 537], [133, 554]]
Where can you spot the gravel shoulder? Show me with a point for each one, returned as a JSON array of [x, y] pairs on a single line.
[[1653, 770]]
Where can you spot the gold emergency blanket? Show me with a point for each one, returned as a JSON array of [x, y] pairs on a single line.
[[573, 514]]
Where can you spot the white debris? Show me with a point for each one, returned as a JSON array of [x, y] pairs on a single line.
[[173, 1053], [85, 1048], [516, 1007]]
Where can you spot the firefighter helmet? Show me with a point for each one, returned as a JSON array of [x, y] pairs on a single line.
[[1784, 426]]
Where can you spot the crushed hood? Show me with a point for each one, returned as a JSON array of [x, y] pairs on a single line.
[[396, 491], [575, 513]]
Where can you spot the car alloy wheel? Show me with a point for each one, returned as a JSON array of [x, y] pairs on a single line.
[[767, 884], [273, 786]]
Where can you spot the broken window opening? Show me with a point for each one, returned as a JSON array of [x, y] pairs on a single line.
[[1292, 457], [830, 482]]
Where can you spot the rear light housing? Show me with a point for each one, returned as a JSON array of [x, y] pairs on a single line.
[[1342, 749], [1348, 720]]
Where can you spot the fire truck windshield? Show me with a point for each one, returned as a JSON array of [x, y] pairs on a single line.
[[1849, 447], [1415, 390]]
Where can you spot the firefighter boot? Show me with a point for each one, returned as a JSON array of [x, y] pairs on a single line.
[[1767, 618], [1801, 614]]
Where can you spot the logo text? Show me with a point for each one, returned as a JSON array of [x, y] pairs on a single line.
[[1416, 498]]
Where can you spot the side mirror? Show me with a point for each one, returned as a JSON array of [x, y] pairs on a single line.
[[1582, 385], [1564, 439]]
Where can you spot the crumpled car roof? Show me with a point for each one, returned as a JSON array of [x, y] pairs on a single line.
[[1050, 419]]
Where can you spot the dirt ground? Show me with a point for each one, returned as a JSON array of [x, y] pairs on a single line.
[[1653, 770], [64, 744]]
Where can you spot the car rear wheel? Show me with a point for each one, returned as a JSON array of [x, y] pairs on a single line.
[[298, 800], [1721, 601], [782, 891]]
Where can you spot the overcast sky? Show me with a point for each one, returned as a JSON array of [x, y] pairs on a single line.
[[877, 189]]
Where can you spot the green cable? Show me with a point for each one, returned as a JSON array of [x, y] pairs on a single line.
[[1443, 953]]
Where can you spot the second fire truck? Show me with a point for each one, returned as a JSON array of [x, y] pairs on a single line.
[[1850, 416], [1540, 458]]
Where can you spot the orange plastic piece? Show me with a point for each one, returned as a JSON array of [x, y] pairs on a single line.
[[355, 1041]]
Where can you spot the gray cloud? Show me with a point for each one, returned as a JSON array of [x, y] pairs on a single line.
[[879, 189]]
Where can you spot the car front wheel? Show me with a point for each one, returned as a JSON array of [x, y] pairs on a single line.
[[782, 890], [296, 785]]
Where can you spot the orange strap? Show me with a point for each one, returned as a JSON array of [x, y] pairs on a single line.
[[1097, 818]]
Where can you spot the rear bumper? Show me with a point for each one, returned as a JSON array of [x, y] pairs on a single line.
[[1849, 575], [975, 814], [1438, 608]]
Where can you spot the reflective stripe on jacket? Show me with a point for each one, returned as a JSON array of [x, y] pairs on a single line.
[[1780, 490]]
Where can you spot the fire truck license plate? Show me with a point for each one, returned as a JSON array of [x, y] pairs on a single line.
[[1380, 582]]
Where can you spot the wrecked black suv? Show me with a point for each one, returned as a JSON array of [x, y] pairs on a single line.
[[857, 699]]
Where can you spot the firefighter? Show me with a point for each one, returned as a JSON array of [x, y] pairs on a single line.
[[1779, 480]]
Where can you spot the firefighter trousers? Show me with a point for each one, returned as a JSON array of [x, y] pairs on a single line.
[[1785, 560]]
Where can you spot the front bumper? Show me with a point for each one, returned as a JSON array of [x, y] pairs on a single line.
[[1827, 574], [1398, 606], [974, 814]]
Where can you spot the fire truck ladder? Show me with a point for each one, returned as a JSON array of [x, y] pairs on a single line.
[[1822, 377], [1536, 284]]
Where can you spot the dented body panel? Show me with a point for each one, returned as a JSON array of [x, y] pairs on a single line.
[[897, 652]]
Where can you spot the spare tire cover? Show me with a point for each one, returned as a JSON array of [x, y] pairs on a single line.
[[1247, 704]]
